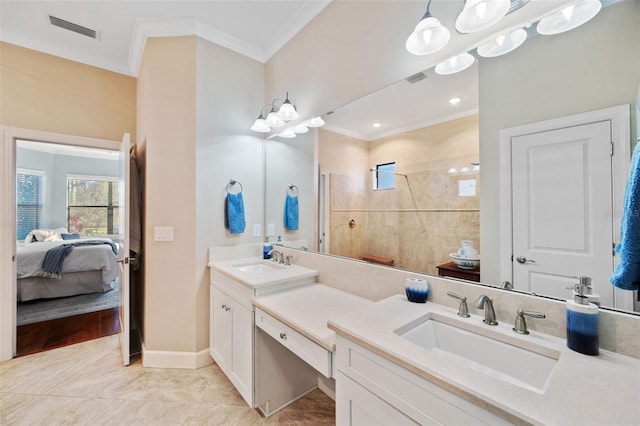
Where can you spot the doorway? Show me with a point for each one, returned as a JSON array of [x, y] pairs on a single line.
[[8, 244], [562, 180]]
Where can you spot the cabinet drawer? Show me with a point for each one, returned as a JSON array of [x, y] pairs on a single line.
[[241, 293], [312, 353]]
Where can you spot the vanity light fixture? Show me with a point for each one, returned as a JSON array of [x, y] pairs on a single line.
[[455, 64], [569, 18], [503, 44], [428, 36], [276, 117], [478, 15]]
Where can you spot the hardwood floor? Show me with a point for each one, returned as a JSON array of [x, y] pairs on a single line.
[[42, 336]]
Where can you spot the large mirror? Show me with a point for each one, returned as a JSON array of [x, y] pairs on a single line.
[[437, 165]]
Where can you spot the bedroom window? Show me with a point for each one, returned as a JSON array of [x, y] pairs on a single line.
[[92, 205], [29, 188]]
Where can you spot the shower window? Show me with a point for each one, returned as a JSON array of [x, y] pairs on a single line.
[[384, 177]]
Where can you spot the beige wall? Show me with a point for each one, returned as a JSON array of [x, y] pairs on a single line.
[[592, 67], [47, 93], [423, 219], [167, 124]]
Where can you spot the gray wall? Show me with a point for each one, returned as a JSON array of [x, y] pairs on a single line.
[[592, 67], [56, 168]]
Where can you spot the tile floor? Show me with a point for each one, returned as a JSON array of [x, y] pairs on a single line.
[[86, 384]]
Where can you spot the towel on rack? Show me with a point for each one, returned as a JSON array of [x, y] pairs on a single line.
[[627, 273], [234, 213], [291, 212]]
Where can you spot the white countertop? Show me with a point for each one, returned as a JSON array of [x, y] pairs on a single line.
[[307, 309], [261, 279], [583, 390]]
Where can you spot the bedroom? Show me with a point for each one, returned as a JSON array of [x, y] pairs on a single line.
[[65, 195]]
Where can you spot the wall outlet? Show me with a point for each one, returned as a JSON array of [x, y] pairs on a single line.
[[256, 229], [271, 230], [163, 233]]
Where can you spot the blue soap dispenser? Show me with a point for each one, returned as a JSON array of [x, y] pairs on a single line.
[[582, 320]]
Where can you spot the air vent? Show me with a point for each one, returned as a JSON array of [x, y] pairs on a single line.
[[516, 4], [416, 77], [72, 27]]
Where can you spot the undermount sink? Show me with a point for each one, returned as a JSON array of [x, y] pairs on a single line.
[[259, 267], [520, 366]]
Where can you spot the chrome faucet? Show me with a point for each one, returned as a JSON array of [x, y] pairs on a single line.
[[276, 256], [520, 325], [463, 309], [483, 302]]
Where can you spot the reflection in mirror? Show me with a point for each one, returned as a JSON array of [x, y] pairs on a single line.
[[431, 208]]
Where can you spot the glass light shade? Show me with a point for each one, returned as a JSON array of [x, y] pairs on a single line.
[[260, 125], [301, 128], [478, 15], [569, 18], [504, 43], [273, 120], [475, 168], [452, 170], [314, 122], [287, 111], [455, 64], [428, 37], [465, 169], [287, 133]]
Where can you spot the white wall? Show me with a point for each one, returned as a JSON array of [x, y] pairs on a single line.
[[592, 67]]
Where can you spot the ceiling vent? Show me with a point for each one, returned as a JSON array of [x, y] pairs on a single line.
[[416, 77], [72, 27]]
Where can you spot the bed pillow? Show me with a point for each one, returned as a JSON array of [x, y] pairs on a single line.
[[44, 235], [74, 236]]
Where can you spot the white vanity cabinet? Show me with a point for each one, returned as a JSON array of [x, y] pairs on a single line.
[[371, 390], [231, 340]]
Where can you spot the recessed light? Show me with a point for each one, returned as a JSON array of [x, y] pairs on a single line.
[[454, 101], [376, 125]]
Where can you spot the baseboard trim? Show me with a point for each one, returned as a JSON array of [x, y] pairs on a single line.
[[173, 359]]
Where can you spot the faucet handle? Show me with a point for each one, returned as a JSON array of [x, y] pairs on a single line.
[[520, 325], [463, 309], [287, 260]]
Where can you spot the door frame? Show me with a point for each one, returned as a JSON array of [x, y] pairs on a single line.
[[619, 116], [8, 289]]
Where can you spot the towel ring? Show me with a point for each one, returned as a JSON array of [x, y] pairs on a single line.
[[231, 183], [293, 190]]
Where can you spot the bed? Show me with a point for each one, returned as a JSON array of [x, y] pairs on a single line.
[[88, 266]]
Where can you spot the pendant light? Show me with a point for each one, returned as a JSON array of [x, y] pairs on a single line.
[[287, 133], [569, 18], [301, 128], [260, 125], [455, 64], [287, 111], [314, 122], [273, 120], [478, 15], [502, 44], [429, 35]]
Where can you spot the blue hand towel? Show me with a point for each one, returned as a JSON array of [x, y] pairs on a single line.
[[291, 213], [627, 273], [234, 217]]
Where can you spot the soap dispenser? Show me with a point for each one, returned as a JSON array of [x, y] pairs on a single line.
[[582, 320], [266, 249]]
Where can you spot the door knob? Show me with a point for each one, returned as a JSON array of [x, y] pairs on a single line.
[[522, 259]]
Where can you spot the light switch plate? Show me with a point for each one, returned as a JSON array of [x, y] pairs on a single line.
[[256, 229], [271, 230], [163, 233]]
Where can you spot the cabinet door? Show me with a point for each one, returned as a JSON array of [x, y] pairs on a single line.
[[242, 349], [220, 344], [357, 406]]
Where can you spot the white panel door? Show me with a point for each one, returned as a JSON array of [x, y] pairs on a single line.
[[562, 201], [123, 234]]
